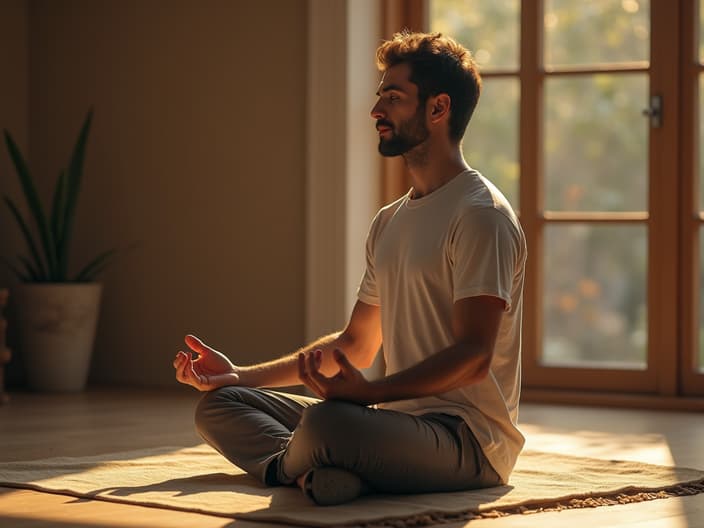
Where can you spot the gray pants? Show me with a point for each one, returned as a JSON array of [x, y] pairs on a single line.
[[277, 437]]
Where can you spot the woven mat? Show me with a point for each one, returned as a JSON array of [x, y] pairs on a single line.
[[197, 479]]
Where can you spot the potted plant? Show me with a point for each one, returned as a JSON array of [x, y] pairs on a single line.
[[56, 311]]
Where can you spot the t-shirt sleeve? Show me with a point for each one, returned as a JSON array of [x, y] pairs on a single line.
[[367, 291], [484, 251]]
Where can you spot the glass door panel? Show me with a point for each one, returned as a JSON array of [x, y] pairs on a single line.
[[595, 143], [596, 32], [594, 297], [490, 29]]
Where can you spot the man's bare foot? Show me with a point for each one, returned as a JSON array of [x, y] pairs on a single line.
[[327, 486], [301, 481]]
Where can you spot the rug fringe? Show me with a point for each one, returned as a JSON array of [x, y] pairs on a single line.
[[624, 497]]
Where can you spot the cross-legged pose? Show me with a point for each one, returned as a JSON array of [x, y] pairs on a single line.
[[442, 292]]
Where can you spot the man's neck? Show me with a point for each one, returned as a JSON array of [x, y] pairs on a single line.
[[432, 166]]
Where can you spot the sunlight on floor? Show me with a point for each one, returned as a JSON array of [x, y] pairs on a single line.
[[645, 447], [651, 448], [32, 509]]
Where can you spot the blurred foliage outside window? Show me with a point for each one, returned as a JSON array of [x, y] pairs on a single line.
[[596, 32], [488, 28], [594, 301], [595, 143]]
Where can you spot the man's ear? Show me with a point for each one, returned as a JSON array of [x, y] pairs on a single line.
[[439, 107]]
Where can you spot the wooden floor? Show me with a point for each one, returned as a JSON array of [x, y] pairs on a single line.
[[101, 421]]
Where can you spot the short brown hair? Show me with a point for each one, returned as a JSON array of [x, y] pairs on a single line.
[[439, 64]]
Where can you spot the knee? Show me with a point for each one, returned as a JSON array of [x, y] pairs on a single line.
[[214, 404], [330, 423]]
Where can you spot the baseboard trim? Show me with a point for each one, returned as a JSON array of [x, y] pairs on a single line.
[[607, 399]]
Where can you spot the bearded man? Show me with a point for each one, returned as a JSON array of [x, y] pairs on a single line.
[[442, 291]]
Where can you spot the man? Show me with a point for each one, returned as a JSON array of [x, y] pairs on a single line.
[[443, 286]]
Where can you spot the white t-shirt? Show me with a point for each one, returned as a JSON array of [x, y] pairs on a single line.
[[461, 240]]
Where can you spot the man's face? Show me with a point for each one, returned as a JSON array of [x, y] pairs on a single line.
[[400, 120]]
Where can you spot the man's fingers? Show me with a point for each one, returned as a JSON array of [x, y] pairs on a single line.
[[313, 361], [196, 344], [188, 374], [302, 374], [316, 378], [199, 381], [180, 357], [303, 371], [317, 390], [178, 362], [181, 372], [306, 373], [342, 360], [318, 359]]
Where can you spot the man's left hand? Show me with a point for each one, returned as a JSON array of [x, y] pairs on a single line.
[[348, 384]]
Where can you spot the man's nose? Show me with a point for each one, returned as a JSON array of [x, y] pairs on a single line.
[[376, 112]]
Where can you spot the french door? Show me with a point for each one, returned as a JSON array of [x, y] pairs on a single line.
[[589, 122]]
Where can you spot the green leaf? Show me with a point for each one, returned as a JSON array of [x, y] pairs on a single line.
[[32, 273], [35, 206], [73, 177], [39, 264], [58, 211], [94, 267]]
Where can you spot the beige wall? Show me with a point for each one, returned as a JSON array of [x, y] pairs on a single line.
[[14, 112], [14, 116], [197, 153]]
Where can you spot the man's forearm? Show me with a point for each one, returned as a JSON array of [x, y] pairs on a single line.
[[283, 372], [456, 366]]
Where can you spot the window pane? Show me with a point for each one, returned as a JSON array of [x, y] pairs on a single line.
[[488, 28], [496, 116], [595, 143], [597, 31], [595, 296]]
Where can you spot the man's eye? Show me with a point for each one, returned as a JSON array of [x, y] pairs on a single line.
[[393, 97]]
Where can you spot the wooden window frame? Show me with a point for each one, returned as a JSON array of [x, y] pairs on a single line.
[[659, 377], [691, 220]]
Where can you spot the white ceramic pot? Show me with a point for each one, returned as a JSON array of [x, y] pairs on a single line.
[[56, 331]]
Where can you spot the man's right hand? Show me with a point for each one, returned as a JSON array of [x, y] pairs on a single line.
[[210, 370]]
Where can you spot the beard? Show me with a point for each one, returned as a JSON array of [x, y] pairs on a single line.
[[410, 134]]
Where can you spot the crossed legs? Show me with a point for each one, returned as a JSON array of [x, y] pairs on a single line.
[[279, 437]]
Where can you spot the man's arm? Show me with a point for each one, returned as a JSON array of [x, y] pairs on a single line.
[[360, 340], [475, 327]]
